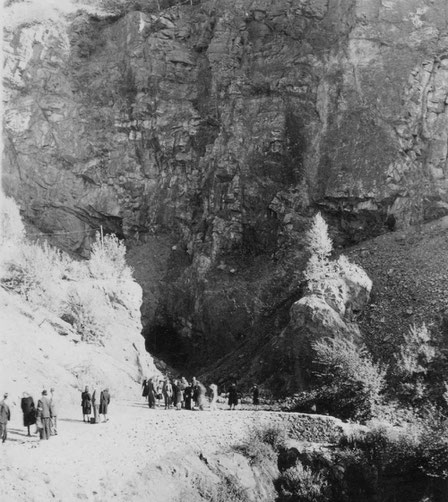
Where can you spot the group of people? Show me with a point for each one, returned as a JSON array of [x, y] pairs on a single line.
[[44, 416], [98, 402], [177, 393], [181, 394]]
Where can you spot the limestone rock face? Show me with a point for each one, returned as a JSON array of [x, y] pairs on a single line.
[[219, 127]]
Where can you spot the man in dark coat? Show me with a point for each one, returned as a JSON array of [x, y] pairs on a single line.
[[195, 392], [145, 388], [104, 403], [255, 395], [5, 417], [188, 394], [29, 411], [44, 413], [233, 397], [151, 393], [86, 403]]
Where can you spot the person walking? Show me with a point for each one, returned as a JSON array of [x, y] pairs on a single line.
[[96, 406], [145, 388], [5, 417], [53, 413], [188, 395], [86, 403], [28, 410], [159, 393], [255, 395], [151, 393], [167, 391], [104, 404], [200, 395], [195, 393], [178, 391], [44, 412], [233, 397], [213, 397]]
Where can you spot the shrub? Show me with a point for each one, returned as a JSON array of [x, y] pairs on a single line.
[[228, 489], [386, 447], [108, 259], [434, 444], [33, 272], [86, 312], [272, 435], [350, 382], [418, 449], [300, 483], [262, 443]]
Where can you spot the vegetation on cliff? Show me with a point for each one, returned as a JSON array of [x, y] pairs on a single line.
[[74, 322], [82, 293]]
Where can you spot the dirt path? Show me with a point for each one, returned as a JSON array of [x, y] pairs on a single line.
[[114, 460]]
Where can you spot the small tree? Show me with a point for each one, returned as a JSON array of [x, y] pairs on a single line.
[[319, 269], [350, 382], [318, 241]]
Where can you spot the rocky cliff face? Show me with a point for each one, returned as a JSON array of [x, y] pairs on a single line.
[[207, 134]]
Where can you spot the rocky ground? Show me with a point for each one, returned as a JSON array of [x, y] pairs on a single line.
[[409, 271], [142, 454]]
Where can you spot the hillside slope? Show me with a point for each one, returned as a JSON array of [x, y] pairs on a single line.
[[409, 270], [38, 351]]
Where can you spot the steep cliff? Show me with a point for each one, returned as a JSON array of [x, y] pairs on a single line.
[[207, 134]]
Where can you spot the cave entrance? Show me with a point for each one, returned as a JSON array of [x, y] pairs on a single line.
[[165, 343]]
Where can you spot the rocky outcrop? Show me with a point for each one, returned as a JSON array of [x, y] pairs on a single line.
[[215, 130], [327, 313]]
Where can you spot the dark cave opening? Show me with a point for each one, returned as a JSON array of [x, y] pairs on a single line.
[[164, 342]]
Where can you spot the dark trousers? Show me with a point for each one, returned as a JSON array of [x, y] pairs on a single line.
[[45, 432], [3, 431]]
